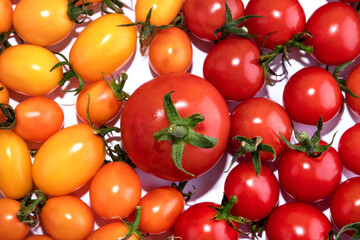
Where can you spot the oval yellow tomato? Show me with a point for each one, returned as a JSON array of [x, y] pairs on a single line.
[[26, 69], [15, 166], [67, 160], [6, 15], [103, 47]]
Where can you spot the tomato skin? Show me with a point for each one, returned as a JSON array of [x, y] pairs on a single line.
[[203, 17], [283, 17], [101, 41], [170, 51], [310, 93], [67, 217], [6, 13], [348, 143], [160, 208], [76, 149], [232, 67], [144, 114], [335, 27], [353, 83], [38, 237], [35, 78], [115, 230]]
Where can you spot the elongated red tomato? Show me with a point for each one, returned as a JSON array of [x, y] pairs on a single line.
[[6, 15], [115, 230]]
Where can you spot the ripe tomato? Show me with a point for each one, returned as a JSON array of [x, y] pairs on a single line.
[[261, 117], [335, 27], [35, 78], [311, 93], [144, 115], [232, 67], [353, 83], [6, 15], [38, 118], [101, 41], [10, 227], [38, 237], [203, 17], [67, 217], [283, 17], [170, 51], [160, 208], [115, 230], [67, 160], [350, 1], [348, 143]]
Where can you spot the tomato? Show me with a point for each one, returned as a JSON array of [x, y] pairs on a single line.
[[353, 84], [4, 98], [10, 227], [170, 51], [160, 208], [38, 237], [35, 78], [261, 117], [335, 27], [297, 221], [144, 115], [284, 18], [115, 230], [6, 13], [350, 1], [67, 160], [38, 118], [203, 17], [67, 217], [232, 67], [15, 166], [348, 143], [310, 93], [103, 47]]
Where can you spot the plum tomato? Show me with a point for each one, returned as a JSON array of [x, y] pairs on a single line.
[[353, 84], [114, 230], [6, 15], [348, 143]]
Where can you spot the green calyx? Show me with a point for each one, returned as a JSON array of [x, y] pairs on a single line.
[[180, 187], [9, 113], [30, 209], [75, 10], [115, 5], [342, 82], [133, 228], [350, 227], [117, 85], [181, 131]]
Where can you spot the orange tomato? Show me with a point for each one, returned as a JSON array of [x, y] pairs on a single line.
[[6, 14], [38, 237], [116, 230]]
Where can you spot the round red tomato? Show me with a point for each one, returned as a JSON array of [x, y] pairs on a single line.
[[335, 27], [311, 93], [353, 84], [232, 67], [348, 145]]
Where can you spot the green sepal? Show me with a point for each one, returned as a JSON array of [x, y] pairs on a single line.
[[74, 11], [114, 5], [180, 187], [117, 85], [133, 228], [30, 209], [9, 113], [350, 227], [342, 82], [258, 227]]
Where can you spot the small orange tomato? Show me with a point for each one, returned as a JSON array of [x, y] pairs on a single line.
[[115, 230], [67, 217], [6, 15], [38, 118], [170, 51], [38, 237]]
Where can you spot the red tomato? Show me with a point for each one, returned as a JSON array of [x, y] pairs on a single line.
[[203, 17], [261, 117], [348, 145], [115, 230], [335, 27], [283, 17], [144, 115], [353, 83], [297, 221], [311, 93], [350, 1], [6, 14]]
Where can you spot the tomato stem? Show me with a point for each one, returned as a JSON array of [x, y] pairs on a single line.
[[75, 11], [114, 5], [133, 228], [31, 208], [352, 226], [342, 82], [180, 187], [117, 85], [9, 113]]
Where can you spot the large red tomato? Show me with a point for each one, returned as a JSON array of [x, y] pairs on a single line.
[[348, 148]]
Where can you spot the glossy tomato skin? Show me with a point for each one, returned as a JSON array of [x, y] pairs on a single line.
[[284, 18], [348, 143], [103, 47], [35, 78], [232, 67], [144, 114], [67, 217], [297, 221], [353, 83], [257, 195], [115, 190], [67, 160], [310, 93], [6, 15], [39, 237], [261, 117], [335, 28], [15, 166], [195, 223], [115, 230], [310, 179], [203, 17]]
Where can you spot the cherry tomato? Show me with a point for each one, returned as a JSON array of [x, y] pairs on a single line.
[[10, 227], [38, 118], [348, 143], [35, 78], [67, 160], [38, 237], [261, 117], [282, 18], [15, 166], [115, 190], [67, 217], [160, 208], [335, 27], [297, 221], [310, 93], [4, 98], [6, 13], [103, 47], [115, 230], [170, 51], [232, 67], [353, 83], [203, 17]]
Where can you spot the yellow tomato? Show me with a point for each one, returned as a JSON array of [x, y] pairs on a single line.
[[15, 166], [26, 69], [103, 47], [6, 14], [67, 160]]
